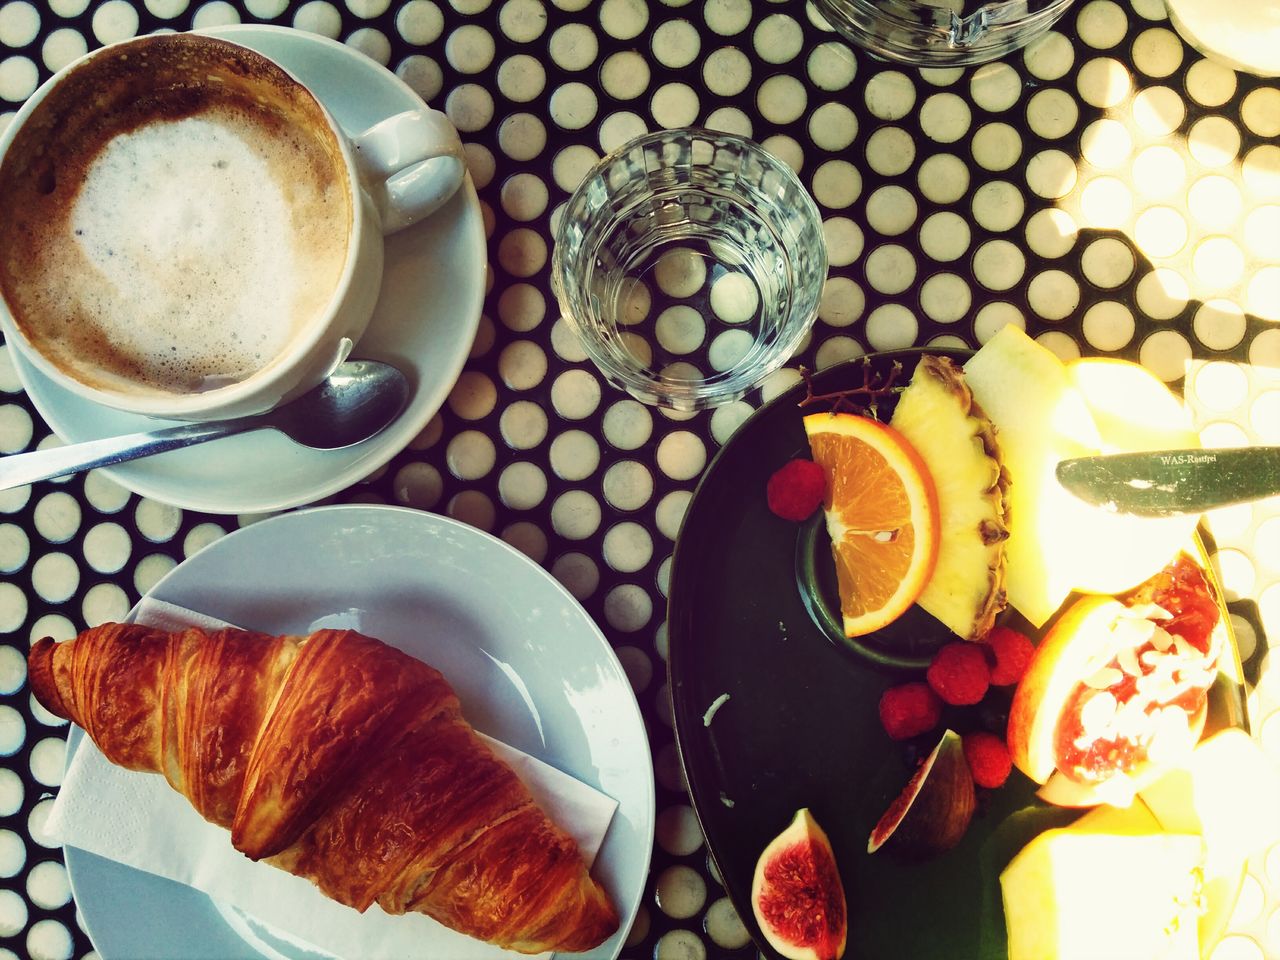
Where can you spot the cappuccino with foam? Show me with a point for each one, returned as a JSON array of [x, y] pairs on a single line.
[[175, 217]]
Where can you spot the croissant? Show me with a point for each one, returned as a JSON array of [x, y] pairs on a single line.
[[337, 758]]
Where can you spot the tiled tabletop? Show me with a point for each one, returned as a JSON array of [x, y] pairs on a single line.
[[1108, 188]]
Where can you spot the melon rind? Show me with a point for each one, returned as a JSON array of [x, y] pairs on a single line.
[[1041, 418]]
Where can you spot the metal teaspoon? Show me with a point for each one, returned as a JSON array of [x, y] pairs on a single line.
[[358, 400]]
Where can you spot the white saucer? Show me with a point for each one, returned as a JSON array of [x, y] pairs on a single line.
[[425, 322], [530, 665]]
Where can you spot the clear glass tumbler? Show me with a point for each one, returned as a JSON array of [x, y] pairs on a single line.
[[689, 264], [941, 33]]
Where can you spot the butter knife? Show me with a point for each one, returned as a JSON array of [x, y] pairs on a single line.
[[1165, 483]]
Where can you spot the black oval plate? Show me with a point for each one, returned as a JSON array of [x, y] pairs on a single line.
[[800, 725]]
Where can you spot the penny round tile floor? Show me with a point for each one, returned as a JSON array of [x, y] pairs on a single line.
[[1107, 188]]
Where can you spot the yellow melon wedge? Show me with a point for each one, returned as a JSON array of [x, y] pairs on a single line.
[[1046, 411], [1041, 418], [1080, 894], [1134, 819], [1133, 410], [1132, 407]]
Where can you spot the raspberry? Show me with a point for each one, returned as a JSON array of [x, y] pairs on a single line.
[[988, 758], [795, 490], [1013, 652], [959, 673], [908, 710]]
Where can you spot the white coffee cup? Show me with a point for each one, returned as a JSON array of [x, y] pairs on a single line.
[[186, 232]]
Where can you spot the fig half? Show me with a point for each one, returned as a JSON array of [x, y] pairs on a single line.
[[934, 809], [796, 893]]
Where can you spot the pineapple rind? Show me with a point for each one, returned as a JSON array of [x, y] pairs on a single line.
[[938, 416]]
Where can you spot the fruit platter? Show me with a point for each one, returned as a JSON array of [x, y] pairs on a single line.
[[930, 705]]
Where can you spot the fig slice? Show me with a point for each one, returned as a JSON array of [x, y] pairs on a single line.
[[934, 809], [796, 893]]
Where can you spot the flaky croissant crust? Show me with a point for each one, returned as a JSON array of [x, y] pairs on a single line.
[[337, 758]]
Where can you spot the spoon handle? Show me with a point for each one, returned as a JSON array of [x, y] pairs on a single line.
[[20, 468]]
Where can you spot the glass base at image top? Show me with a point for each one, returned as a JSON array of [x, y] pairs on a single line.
[[690, 266], [941, 35]]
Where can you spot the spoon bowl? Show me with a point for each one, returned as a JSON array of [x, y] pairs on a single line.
[[356, 402]]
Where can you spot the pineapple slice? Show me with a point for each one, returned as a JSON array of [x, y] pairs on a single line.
[[937, 414]]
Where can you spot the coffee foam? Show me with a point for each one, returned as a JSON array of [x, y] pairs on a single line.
[[185, 250]]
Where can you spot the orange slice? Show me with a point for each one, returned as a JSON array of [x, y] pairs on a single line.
[[882, 515]]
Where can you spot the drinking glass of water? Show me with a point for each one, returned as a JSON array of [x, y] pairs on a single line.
[[690, 264]]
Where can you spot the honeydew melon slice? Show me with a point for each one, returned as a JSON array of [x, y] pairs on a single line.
[[1133, 410], [1081, 894], [1041, 418], [1131, 406], [1046, 411]]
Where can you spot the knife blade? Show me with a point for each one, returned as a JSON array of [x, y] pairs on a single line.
[[1166, 483]]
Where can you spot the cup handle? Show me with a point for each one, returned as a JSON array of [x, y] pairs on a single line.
[[410, 163]]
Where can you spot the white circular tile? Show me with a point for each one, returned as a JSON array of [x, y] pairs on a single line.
[[831, 66], [49, 940], [781, 99], [943, 178], [1260, 111], [1103, 82], [833, 127], [945, 117], [945, 297], [998, 264], [778, 39], [1213, 141], [1052, 113], [1051, 232], [578, 573], [1051, 174], [624, 19], [995, 87], [726, 71], [1157, 52], [945, 236], [998, 206], [890, 95], [996, 146], [1107, 262], [1049, 57], [627, 547], [575, 455], [1210, 83], [574, 46], [1053, 294], [1102, 24], [628, 608], [676, 43], [891, 210], [1158, 111], [891, 268], [1108, 325], [522, 21], [892, 326]]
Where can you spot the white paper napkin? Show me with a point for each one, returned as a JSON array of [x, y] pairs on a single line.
[[139, 820]]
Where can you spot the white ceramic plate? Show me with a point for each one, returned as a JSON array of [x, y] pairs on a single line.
[[425, 322], [530, 666]]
